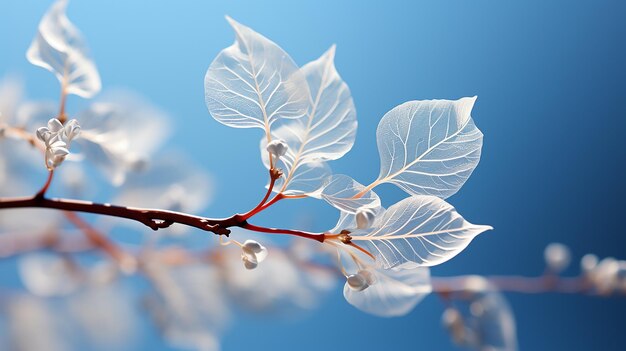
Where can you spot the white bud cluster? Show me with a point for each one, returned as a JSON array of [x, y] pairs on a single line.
[[277, 148], [57, 138], [362, 280], [607, 276], [557, 257], [252, 254], [365, 217]]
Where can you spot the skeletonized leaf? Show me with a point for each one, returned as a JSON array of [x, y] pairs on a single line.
[[421, 229], [60, 48], [253, 83], [329, 128], [429, 147], [308, 181], [342, 192], [394, 292]]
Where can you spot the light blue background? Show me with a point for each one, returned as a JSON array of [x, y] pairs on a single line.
[[549, 76]]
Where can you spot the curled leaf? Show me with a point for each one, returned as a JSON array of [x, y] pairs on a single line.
[[391, 292], [60, 48], [111, 139]]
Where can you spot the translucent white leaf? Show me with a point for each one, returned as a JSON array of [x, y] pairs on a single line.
[[307, 181], [59, 47], [111, 139], [344, 193], [394, 292], [329, 128], [254, 83], [421, 229], [429, 147]]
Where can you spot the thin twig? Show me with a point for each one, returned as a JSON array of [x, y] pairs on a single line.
[[315, 236], [44, 189]]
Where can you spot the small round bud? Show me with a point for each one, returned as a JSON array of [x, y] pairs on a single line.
[[277, 147], [557, 257], [249, 263], [364, 218], [252, 254], [357, 282], [370, 278], [588, 263], [451, 317]]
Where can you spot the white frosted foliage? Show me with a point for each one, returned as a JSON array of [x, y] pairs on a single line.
[[60, 48], [388, 292], [348, 195], [254, 83], [429, 147], [329, 128], [422, 229]]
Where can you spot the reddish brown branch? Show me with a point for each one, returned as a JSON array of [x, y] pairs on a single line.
[[274, 175], [155, 219], [314, 236], [44, 189], [516, 284], [99, 240]]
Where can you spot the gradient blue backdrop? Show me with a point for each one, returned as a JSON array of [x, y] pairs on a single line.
[[549, 76]]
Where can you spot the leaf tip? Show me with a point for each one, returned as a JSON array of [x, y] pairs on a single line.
[[331, 51], [485, 228], [233, 23]]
